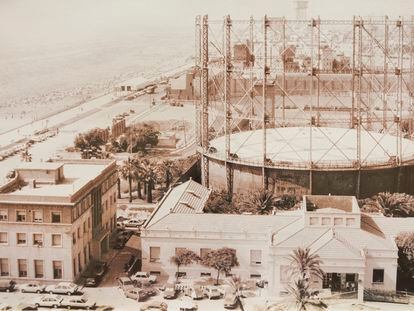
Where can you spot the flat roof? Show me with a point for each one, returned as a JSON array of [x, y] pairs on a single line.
[[76, 176], [333, 146], [39, 166]]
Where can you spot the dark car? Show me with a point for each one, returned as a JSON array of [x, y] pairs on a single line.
[[7, 286], [101, 268], [119, 245], [91, 282]]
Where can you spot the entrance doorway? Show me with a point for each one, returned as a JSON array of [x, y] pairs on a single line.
[[341, 282]]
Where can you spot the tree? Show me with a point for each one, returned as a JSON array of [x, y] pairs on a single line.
[[127, 171], [184, 257], [405, 270], [168, 169], [138, 174], [235, 284], [93, 138], [140, 136], [219, 202], [222, 260], [390, 204], [303, 267], [261, 202], [150, 177]]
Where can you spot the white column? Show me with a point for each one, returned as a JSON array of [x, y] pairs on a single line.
[[276, 279], [361, 281]]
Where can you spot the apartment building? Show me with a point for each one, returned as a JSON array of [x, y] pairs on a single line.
[[357, 250], [55, 217]]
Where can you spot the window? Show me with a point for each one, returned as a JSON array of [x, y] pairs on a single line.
[[154, 254], [79, 234], [4, 267], [285, 275], [255, 276], [56, 217], [84, 226], [3, 238], [89, 222], [57, 269], [3, 215], [255, 257], [21, 216], [22, 267], [79, 263], [38, 239], [73, 238], [38, 268], [84, 255], [21, 238], [314, 221], [378, 276], [326, 221], [205, 274], [338, 221], [37, 216], [56, 240], [204, 251]]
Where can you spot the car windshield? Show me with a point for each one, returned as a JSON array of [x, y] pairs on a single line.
[[128, 282]]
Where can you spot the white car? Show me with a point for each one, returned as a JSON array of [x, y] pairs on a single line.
[[32, 287], [134, 223], [144, 277], [78, 302], [62, 288], [49, 301], [212, 292]]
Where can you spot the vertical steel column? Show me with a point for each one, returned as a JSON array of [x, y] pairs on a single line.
[[411, 90], [385, 81], [399, 73], [353, 95], [227, 101], [318, 74], [197, 58], [251, 76], [311, 91], [284, 92], [264, 92], [204, 101]]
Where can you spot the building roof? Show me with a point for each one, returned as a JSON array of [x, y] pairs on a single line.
[[224, 222], [76, 176], [387, 226], [331, 204], [39, 166], [187, 198]]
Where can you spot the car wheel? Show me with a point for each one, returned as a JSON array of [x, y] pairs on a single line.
[[55, 306], [69, 293], [23, 291], [68, 307], [8, 290], [51, 292], [37, 305], [38, 291]]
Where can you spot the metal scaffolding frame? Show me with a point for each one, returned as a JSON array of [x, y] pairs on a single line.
[[368, 88]]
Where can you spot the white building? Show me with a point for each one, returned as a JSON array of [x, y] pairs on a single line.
[[357, 250], [55, 217]]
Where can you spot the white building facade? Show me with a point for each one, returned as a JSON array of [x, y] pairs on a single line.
[[357, 250]]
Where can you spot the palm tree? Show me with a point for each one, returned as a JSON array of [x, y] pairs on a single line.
[[127, 171], [138, 175], [262, 201], [167, 168], [150, 177], [235, 284], [304, 266], [395, 204]]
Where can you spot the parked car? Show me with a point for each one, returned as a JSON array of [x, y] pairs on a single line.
[[32, 287], [136, 293], [187, 305], [154, 305], [212, 292], [7, 286], [134, 223], [194, 291], [261, 283], [78, 303], [170, 291], [144, 277], [119, 244], [101, 267], [91, 282], [53, 301], [230, 300], [63, 288], [125, 283]]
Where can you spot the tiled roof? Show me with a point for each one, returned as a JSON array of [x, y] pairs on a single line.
[[187, 198]]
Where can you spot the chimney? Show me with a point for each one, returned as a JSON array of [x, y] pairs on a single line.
[[32, 183]]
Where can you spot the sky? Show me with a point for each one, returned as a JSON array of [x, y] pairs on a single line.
[[43, 21]]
